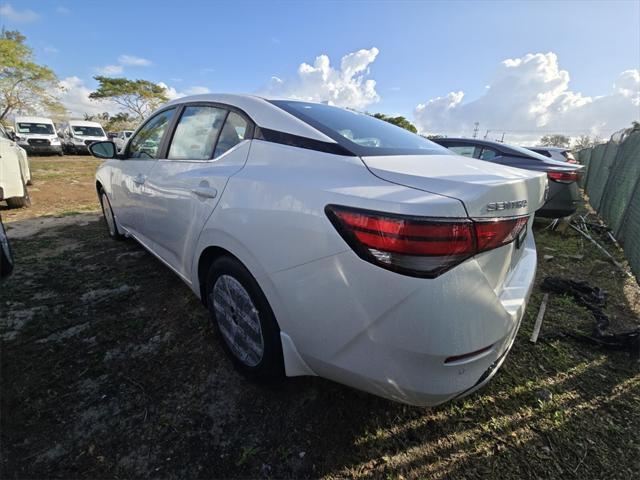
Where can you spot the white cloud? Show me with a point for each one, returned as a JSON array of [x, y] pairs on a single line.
[[75, 97], [530, 96], [18, 16], [109, 70], [172, 93], [134, 61], [320, 82]]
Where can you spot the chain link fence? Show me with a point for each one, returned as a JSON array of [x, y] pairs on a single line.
[[612, 182]]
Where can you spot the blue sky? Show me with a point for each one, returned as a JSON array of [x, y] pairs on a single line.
[[426, 49]]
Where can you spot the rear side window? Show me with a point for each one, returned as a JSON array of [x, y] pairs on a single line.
[[488, 154], [464, 150], [146, 143], [196, 133], [360, 133], [233, 132]]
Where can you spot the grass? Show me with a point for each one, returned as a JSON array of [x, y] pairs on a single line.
[[112, 369]]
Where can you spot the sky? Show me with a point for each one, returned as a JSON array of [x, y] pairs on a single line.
[[524, 68]]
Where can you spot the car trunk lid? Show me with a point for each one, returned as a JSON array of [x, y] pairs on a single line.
[[486, 189]]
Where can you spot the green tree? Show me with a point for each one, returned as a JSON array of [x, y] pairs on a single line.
[[635, 125], [556, 140], [138, 97], [585, 141], [399, 121], [25, 86]]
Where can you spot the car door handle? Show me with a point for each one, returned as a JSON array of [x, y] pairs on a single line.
[[139, 179], [205, 192]]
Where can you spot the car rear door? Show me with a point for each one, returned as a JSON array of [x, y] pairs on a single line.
[[129, 175], [210, 143]]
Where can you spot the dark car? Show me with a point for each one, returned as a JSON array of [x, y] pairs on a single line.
[[556, 153], [6, 255], [563, 197]]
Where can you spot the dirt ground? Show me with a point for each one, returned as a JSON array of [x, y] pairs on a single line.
[[111, 369]]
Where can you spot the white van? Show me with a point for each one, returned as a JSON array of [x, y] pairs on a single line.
[[37, 135], [77, 135]]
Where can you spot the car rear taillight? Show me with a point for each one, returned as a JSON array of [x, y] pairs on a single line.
[[420, 246], [564, 177]]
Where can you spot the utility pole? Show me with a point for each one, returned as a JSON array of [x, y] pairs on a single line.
[[486, 134], [475, 130], [502, 139]]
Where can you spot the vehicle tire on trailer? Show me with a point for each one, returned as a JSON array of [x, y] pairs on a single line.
[[109, 217], [250, 333], [20, 202]]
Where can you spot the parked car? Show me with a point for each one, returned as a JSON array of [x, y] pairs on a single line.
[[327, 242], [6, 254], [121, 139], [77, 135], [563, 196], [15, 173], [37, 135], [556, 153]]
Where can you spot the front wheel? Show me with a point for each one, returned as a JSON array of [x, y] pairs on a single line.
[[245, 320], [109, 218]]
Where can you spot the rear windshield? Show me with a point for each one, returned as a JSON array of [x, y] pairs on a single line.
[[527, 153], [41, 128], [360, 133], [88, 131]]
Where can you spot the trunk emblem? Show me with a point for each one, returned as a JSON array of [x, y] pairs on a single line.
[[506, 205]]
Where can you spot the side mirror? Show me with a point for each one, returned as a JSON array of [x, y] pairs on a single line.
[[6, 255], [104, 149]]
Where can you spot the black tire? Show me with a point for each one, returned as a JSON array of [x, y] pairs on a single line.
[[20, 202], [270, 366], [6, 254], [107, 214]]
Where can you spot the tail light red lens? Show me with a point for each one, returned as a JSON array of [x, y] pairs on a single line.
[[420, 246], [564, 177]]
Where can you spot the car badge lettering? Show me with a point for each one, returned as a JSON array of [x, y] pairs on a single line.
[[506, 205]]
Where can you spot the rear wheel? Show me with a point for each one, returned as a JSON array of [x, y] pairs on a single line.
[[109, 218], [249, 330], [20, 202]]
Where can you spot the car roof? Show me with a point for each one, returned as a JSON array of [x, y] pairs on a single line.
[[264, 113], [550, 149], [33, 120], [502, 147]]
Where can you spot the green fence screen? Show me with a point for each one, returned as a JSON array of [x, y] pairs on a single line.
[[612, 182]]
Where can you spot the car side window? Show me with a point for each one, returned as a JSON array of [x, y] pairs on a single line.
[[234, 131], [146, 143], [488, 154], [196, 133], [464, 150]]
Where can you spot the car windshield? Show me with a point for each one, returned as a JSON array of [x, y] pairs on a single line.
[[41, 128], [88, 131], [360, 133]]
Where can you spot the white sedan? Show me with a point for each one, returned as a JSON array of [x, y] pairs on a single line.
[[327, 242]]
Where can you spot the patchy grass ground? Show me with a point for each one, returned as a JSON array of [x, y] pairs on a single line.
[[111, 369], [61, 185]]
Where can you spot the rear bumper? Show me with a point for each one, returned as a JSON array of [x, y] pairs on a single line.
[[391, 335], [563, 200]]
